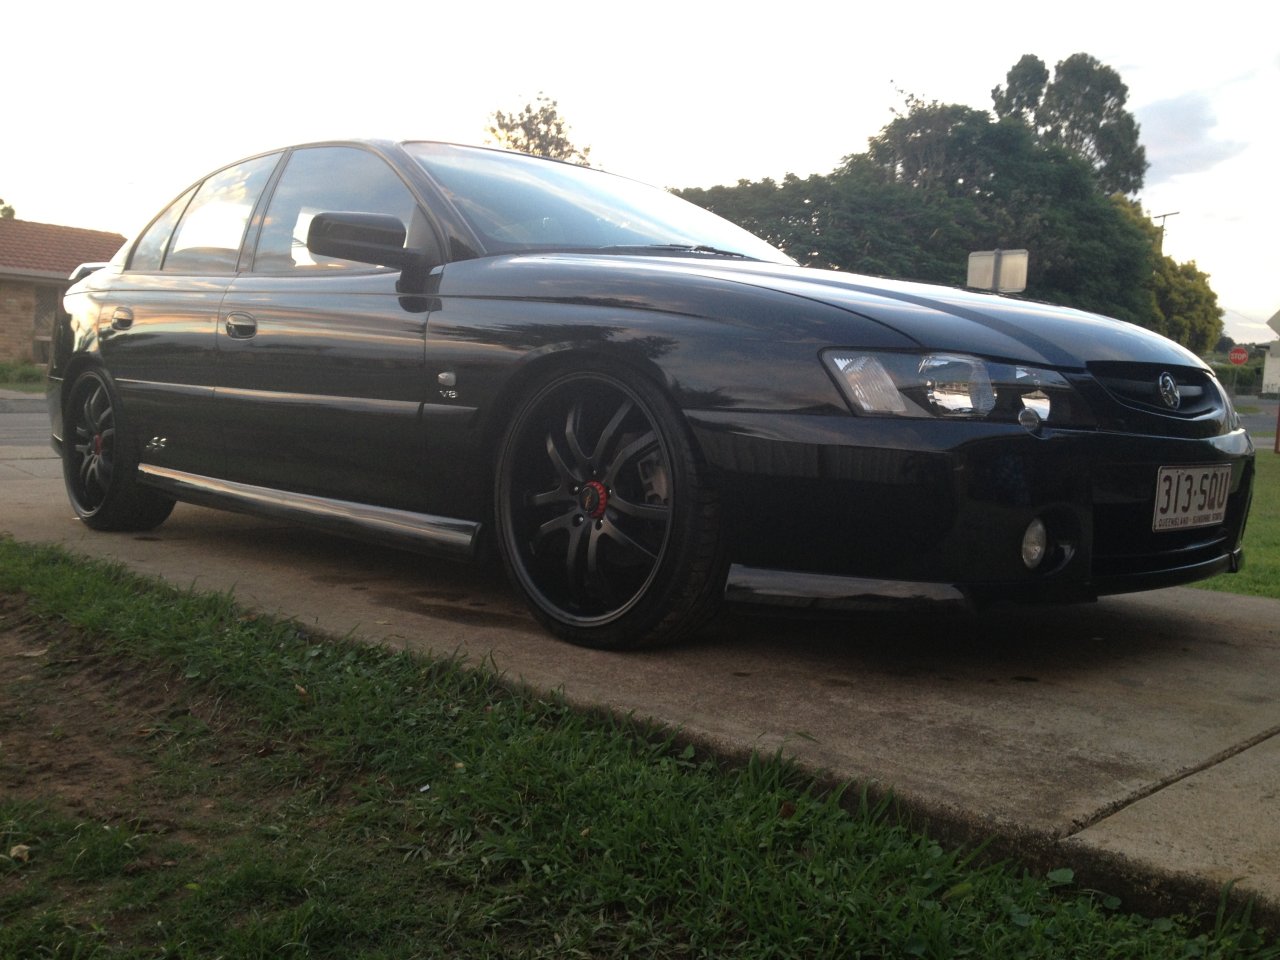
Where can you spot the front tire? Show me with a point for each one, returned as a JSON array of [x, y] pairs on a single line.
[[606, 523], [99, 464]]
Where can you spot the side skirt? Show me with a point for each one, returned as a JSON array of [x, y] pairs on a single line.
[[455, 539]]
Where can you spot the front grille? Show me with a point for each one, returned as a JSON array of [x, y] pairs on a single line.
[[1126, 398], [1138, 385]]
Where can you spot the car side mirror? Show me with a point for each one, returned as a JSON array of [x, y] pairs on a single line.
[[363, 237], [370, 238], [82, 271]]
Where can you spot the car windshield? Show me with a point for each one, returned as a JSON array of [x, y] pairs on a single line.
[[519, 203]]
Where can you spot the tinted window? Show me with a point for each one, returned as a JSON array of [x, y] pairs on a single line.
[[149, 253], [514, 202], [209, 235], [326, 179]]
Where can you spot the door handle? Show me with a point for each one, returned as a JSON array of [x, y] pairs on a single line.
[[241, 326], [121, 318]]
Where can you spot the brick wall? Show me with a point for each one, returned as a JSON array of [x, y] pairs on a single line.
[[17, 319]]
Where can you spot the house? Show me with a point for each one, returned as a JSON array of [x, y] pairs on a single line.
[[35, 261], [1271, 366]]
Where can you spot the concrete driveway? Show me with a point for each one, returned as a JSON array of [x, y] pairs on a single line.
[[1136, 739]]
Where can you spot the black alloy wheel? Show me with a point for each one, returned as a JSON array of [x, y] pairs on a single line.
[[97, 464], [604, 521]]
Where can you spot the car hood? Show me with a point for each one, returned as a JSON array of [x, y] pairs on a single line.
[[945, 318], [768, 301]]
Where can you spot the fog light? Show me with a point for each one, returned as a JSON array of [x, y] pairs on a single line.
[[1035, 543]]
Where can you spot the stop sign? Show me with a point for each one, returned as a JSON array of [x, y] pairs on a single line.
[[1238, 355]]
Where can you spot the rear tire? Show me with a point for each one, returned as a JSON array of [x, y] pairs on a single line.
[[99, 462], [606, 523]]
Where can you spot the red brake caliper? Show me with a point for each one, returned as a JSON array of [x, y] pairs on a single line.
[[593, 498]]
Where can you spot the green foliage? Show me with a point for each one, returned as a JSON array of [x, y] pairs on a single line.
[[21, 374], [1242, 380], [1081, 110], [1093, 259], [1084, 111], [6, 211], [934, 145], [1182, 305], [1021, 98], [537, 129], [1188, 304], [858, 219]]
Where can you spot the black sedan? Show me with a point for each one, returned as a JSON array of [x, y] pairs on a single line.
[[643, 408]]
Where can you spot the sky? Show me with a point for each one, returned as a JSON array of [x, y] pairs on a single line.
[[108, 111]]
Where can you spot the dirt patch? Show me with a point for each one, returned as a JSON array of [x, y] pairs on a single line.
[[79, 729]]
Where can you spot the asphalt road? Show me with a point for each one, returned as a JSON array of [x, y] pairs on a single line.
[[1261, 424], [1136, 739], [24, 429]]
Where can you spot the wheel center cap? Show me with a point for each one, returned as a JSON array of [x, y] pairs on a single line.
[[97, 444], [593, 498]]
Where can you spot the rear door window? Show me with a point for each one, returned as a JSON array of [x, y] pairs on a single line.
[[212, 228], [148, 254]]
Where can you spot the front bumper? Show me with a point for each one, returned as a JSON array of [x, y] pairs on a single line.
[[841, 512], [819, 592]]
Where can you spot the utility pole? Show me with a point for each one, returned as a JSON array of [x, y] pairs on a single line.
[[1162, 217]]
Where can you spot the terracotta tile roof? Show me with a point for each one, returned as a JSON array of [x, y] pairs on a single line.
[[45, 248]]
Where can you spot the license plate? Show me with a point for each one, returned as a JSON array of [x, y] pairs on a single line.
[[1191, 497]]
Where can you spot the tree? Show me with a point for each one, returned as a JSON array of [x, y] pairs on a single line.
[[985, 185], [930, 144], [1185, 306], [1081, 110], [1021, 98], [537, 129], [6, 211], [858, 218], [942, 180], [1188, 303]]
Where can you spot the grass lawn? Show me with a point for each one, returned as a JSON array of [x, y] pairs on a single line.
[[1261, 574], [180, 779], [24, 377]]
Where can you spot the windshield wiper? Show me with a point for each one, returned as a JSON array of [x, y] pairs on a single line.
[[701, 248], [676, 248]]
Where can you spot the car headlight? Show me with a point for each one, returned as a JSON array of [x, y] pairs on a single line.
[[954, 386]]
